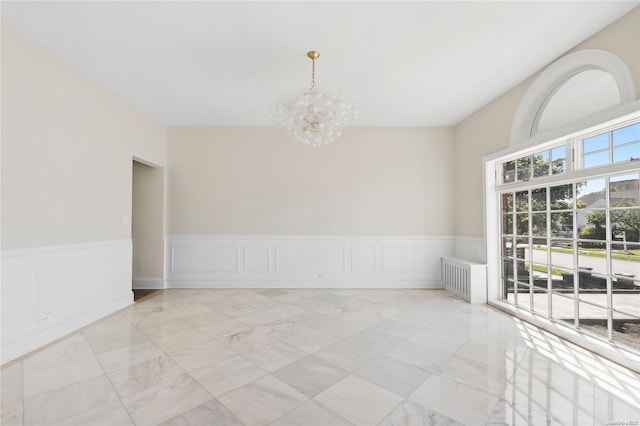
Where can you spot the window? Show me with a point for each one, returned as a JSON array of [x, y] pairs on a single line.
[[577, 96], [569, 232], [540, 164], [611, 147], [581, 84]]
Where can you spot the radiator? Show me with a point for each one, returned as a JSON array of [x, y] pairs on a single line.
[[465, 279]]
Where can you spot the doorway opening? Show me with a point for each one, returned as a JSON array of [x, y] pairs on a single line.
[[147, 228]]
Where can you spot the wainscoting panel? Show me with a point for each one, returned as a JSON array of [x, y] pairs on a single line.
[[363, 258], [470, 248], [199, 261], [317, 258], [48, 292], [406, 258], [20, 284], [191, 257], [256, 258]]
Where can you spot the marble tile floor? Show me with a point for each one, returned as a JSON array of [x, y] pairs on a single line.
[[314, 357]]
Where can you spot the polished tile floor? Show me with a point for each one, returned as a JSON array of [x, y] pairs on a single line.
[[314, 357]]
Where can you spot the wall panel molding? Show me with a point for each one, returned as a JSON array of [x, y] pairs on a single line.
[[48, 292], [252, 261]]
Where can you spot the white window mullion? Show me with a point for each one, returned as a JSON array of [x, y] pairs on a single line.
[[530, 247], [549, 267], [576, 270], [610, 137], [578, 154], [609, 259]]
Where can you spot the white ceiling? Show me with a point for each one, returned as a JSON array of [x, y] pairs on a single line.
[[223, 63]]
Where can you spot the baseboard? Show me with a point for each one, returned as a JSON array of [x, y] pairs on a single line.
[[48, 292], [306, 284], [255, 261], [148, 284]]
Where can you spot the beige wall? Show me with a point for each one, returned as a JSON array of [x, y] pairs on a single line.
[[67, 145], [67, 148], [247, 181], [147, 224], [487, 131]]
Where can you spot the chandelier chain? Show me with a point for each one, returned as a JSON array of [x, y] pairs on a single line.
[[313, 74]]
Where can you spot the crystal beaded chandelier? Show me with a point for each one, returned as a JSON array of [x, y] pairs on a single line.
[[313, 117]]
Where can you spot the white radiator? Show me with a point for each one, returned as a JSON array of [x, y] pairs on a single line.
[[465, 279]]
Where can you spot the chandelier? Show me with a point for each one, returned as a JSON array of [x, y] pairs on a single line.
[[311, 116]]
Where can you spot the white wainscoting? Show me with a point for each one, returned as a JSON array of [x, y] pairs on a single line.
[[471, 248], [48, 292], [305, 261]]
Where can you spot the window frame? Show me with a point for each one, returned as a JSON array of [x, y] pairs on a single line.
[[492, 168]]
